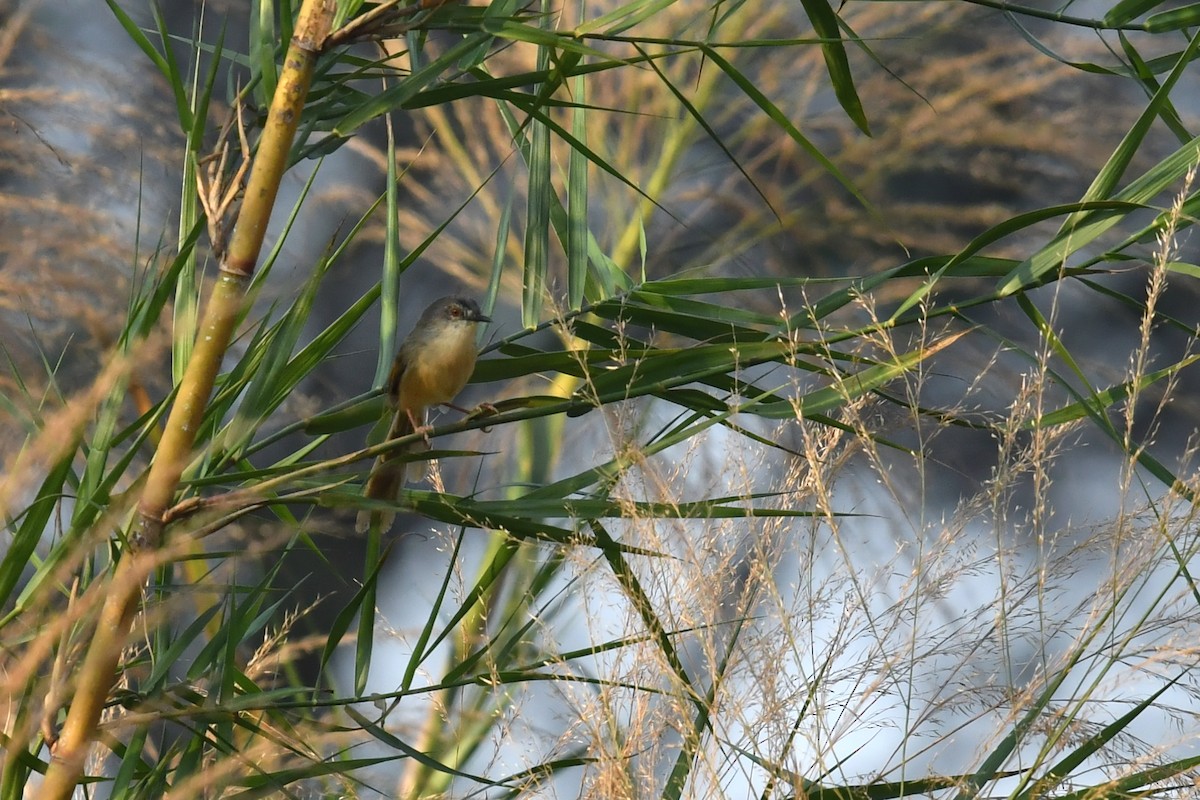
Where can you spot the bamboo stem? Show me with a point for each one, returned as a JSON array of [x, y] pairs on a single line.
[[98, 672]]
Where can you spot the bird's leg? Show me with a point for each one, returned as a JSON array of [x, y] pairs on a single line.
[[481, 410], [421, 428]]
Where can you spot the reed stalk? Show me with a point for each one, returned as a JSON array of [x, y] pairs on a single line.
[[98, 672]]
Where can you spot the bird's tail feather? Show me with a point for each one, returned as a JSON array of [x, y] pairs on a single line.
[[389, 474]]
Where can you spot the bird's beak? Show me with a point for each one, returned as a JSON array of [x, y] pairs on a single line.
[[481, 318]]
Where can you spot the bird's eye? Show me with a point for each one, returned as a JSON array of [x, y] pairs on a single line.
[[455, 311]]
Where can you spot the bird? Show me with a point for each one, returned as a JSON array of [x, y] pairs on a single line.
[[431, 366]]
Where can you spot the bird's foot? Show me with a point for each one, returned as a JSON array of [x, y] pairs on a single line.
[[483, 410], [424, 430]]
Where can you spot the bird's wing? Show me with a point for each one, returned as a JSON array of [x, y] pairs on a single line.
[[395, 376]]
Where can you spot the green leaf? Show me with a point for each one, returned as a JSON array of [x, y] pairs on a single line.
[[394, 98], [1091, 745], [1125, 11], [263, 43], [577, 202], [787, 126], [1106, 398], [27, 533], [1175, 19], [1083, 227], [537, 213], [825, 23]]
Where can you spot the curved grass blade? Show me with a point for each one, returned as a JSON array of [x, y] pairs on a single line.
[[1065, 767], [538, 199], [825, 23], [1083, 227], [779, 118]]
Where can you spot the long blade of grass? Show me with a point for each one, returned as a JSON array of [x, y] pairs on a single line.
[[1065, 766], [1141, 70], [537, 211], [389, 292], [353, 609], [393, 99], [787, 126], [825, 22], [577, 199], [713, 135], [263, 43], [1082, 228], [388, 739]]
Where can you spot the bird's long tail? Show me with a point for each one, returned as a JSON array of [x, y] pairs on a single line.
[[390, 473]]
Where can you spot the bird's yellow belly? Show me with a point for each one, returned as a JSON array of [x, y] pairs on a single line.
[[441, 372]]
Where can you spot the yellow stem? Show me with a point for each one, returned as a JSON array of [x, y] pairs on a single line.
[[98, 672]]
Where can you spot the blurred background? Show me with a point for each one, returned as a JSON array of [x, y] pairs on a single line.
[[975, 117]]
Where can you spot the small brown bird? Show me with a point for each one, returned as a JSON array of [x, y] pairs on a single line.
[[432, 365]]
